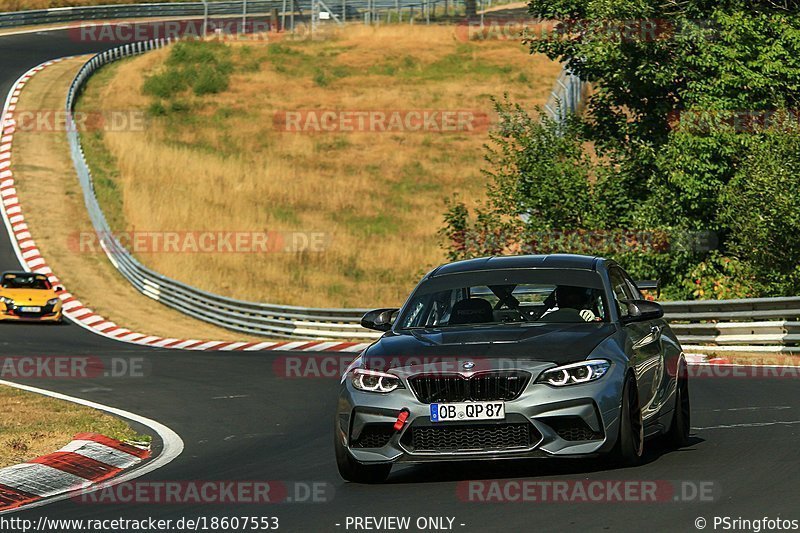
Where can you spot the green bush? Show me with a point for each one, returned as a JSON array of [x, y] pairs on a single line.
[[166, 84], [721, 278], [210, 80], [202, 66], [624, 165], [760, 209], [157, 109]]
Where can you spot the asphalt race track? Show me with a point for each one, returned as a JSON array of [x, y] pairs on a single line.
[[241, 419]]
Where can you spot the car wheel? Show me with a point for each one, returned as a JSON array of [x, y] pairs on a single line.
[[678, 434], [630, 443], [352, 470]]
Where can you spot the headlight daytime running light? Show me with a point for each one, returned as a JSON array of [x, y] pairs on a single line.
[[374, 381], [575, 373]]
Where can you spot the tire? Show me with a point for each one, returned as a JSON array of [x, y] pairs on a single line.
[[630, 442], [678, 434], [355, 472]]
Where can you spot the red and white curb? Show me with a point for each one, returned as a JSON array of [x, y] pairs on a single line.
[[695, 358], [31, 258], [90, 458]]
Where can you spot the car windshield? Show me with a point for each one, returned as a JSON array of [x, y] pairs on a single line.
[[25, 281], [505, 297]]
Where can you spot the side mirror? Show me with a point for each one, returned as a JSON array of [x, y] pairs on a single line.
[[379, 319], [58, 288], [640, 310]]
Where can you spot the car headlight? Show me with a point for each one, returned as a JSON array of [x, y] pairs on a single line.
[[374, 381], [52, 301], [6, 300], [582, 372]]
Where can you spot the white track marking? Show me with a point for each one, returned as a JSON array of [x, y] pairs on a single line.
[[750, 425], [172, 444]]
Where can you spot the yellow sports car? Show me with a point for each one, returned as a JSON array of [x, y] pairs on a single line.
[[28, 296]]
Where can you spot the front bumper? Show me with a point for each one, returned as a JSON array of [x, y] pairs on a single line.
[[48, 313], [544, 421]]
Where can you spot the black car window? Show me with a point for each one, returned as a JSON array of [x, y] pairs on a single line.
[[637, 294], [620, 288], [498, 297], [25, 281]]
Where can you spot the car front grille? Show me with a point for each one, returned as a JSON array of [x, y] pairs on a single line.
[[471, 437], [486, 386], [374, 436], [572, 428], [45, 310]]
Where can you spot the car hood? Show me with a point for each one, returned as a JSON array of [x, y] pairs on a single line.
[[36, 297], [488, 346]]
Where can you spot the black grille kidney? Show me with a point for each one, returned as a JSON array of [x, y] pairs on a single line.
[[486, 386]]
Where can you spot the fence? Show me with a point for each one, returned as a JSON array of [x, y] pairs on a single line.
[[566, 97], [339, 10]]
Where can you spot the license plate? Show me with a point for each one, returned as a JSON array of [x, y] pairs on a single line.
[[449, 412], [31, 309]]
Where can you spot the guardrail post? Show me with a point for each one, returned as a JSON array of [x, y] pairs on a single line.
[[273, 19]]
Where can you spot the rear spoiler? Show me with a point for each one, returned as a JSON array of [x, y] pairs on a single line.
[[649, 285]]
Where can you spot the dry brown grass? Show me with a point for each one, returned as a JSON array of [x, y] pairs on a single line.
[[54, 210], [379, 197], [34, 425]]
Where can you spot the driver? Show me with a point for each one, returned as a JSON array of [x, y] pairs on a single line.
[[577, 298]]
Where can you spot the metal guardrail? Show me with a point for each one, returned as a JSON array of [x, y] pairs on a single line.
[[566, 97], [347, 9], [247, 317], [124, 11], [757, 322]]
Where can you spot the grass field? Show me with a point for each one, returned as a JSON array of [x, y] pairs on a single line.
[[212, 158], [56, 215], [34, 425]]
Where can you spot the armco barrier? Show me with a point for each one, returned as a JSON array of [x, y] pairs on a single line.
[[766, 322], [566, 97], [351, 9]]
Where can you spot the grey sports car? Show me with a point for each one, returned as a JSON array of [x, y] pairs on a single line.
[[513, 357]]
